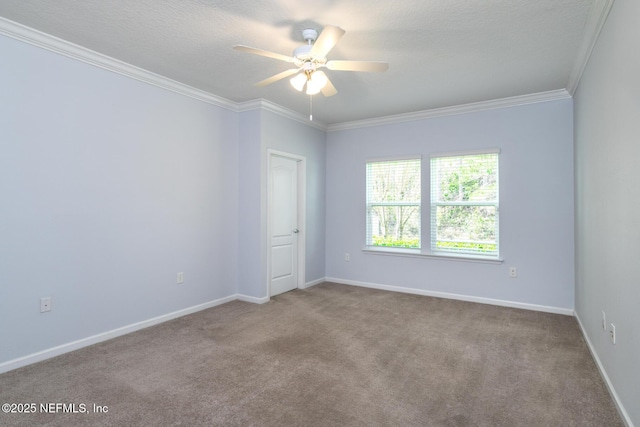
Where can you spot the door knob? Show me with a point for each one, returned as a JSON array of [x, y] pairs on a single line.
[[296, 231]]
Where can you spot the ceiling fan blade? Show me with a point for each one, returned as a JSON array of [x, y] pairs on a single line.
[[261, 52], [357, 66], [277, 77], [326, 40], [329, 89]]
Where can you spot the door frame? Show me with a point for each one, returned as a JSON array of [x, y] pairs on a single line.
[[301, 162]]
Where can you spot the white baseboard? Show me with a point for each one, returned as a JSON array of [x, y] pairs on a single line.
[[85, 342], [262, 300], [314, 282], [621, 410], [468, 298], [255, 300]]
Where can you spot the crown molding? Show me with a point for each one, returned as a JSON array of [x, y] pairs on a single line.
[[254, 104], [595, 21], [54, 44], [263, 104], [457, 109], [293, 115]]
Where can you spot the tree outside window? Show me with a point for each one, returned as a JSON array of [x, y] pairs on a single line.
[[393, 203], [464, 204]]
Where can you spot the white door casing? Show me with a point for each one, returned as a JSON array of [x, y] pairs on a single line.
[[284, 226]]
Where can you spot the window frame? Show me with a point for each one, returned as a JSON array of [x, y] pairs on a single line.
[[426, 249], [433, 206], [369, 204]]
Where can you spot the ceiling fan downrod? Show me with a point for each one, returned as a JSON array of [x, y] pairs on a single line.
[[309, 35]]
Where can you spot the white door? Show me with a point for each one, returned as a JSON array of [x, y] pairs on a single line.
[[284, 224]]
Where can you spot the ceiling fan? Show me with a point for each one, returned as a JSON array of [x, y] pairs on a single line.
[[308, 60]]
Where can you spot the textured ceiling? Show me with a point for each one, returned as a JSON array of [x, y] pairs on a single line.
[[440, 53]]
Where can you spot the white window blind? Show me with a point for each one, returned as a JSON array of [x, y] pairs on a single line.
[[393, 203], [464, 204]]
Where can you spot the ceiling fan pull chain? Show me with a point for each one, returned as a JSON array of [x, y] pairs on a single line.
[[310, 108]]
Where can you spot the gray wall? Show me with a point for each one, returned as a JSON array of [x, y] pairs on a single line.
[[252, 266], [607, 150], [261, 130], [293, 137], [536, 203], [109, 187]]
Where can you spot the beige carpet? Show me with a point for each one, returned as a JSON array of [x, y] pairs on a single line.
[[327, 356]]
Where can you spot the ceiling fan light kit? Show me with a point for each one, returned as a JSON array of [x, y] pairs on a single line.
[[314, 80], [310, 57], [317, 81], [298, 82]]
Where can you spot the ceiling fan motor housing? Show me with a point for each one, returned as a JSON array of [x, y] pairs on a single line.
[[309, 35], [303, 54]]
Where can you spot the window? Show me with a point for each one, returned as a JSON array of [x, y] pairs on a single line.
[[464, 204], [393, 203]]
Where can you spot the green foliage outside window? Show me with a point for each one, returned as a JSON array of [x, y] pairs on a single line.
[[393, 203], [464, 208], [464, 202], [395, 243]]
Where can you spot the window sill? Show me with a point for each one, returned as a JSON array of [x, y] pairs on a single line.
[[417, 253]]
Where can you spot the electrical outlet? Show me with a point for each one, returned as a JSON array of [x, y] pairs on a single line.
[[180, 278], [347, 257], [604, 320], [612, 331], [513, 272], [45, 304]]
